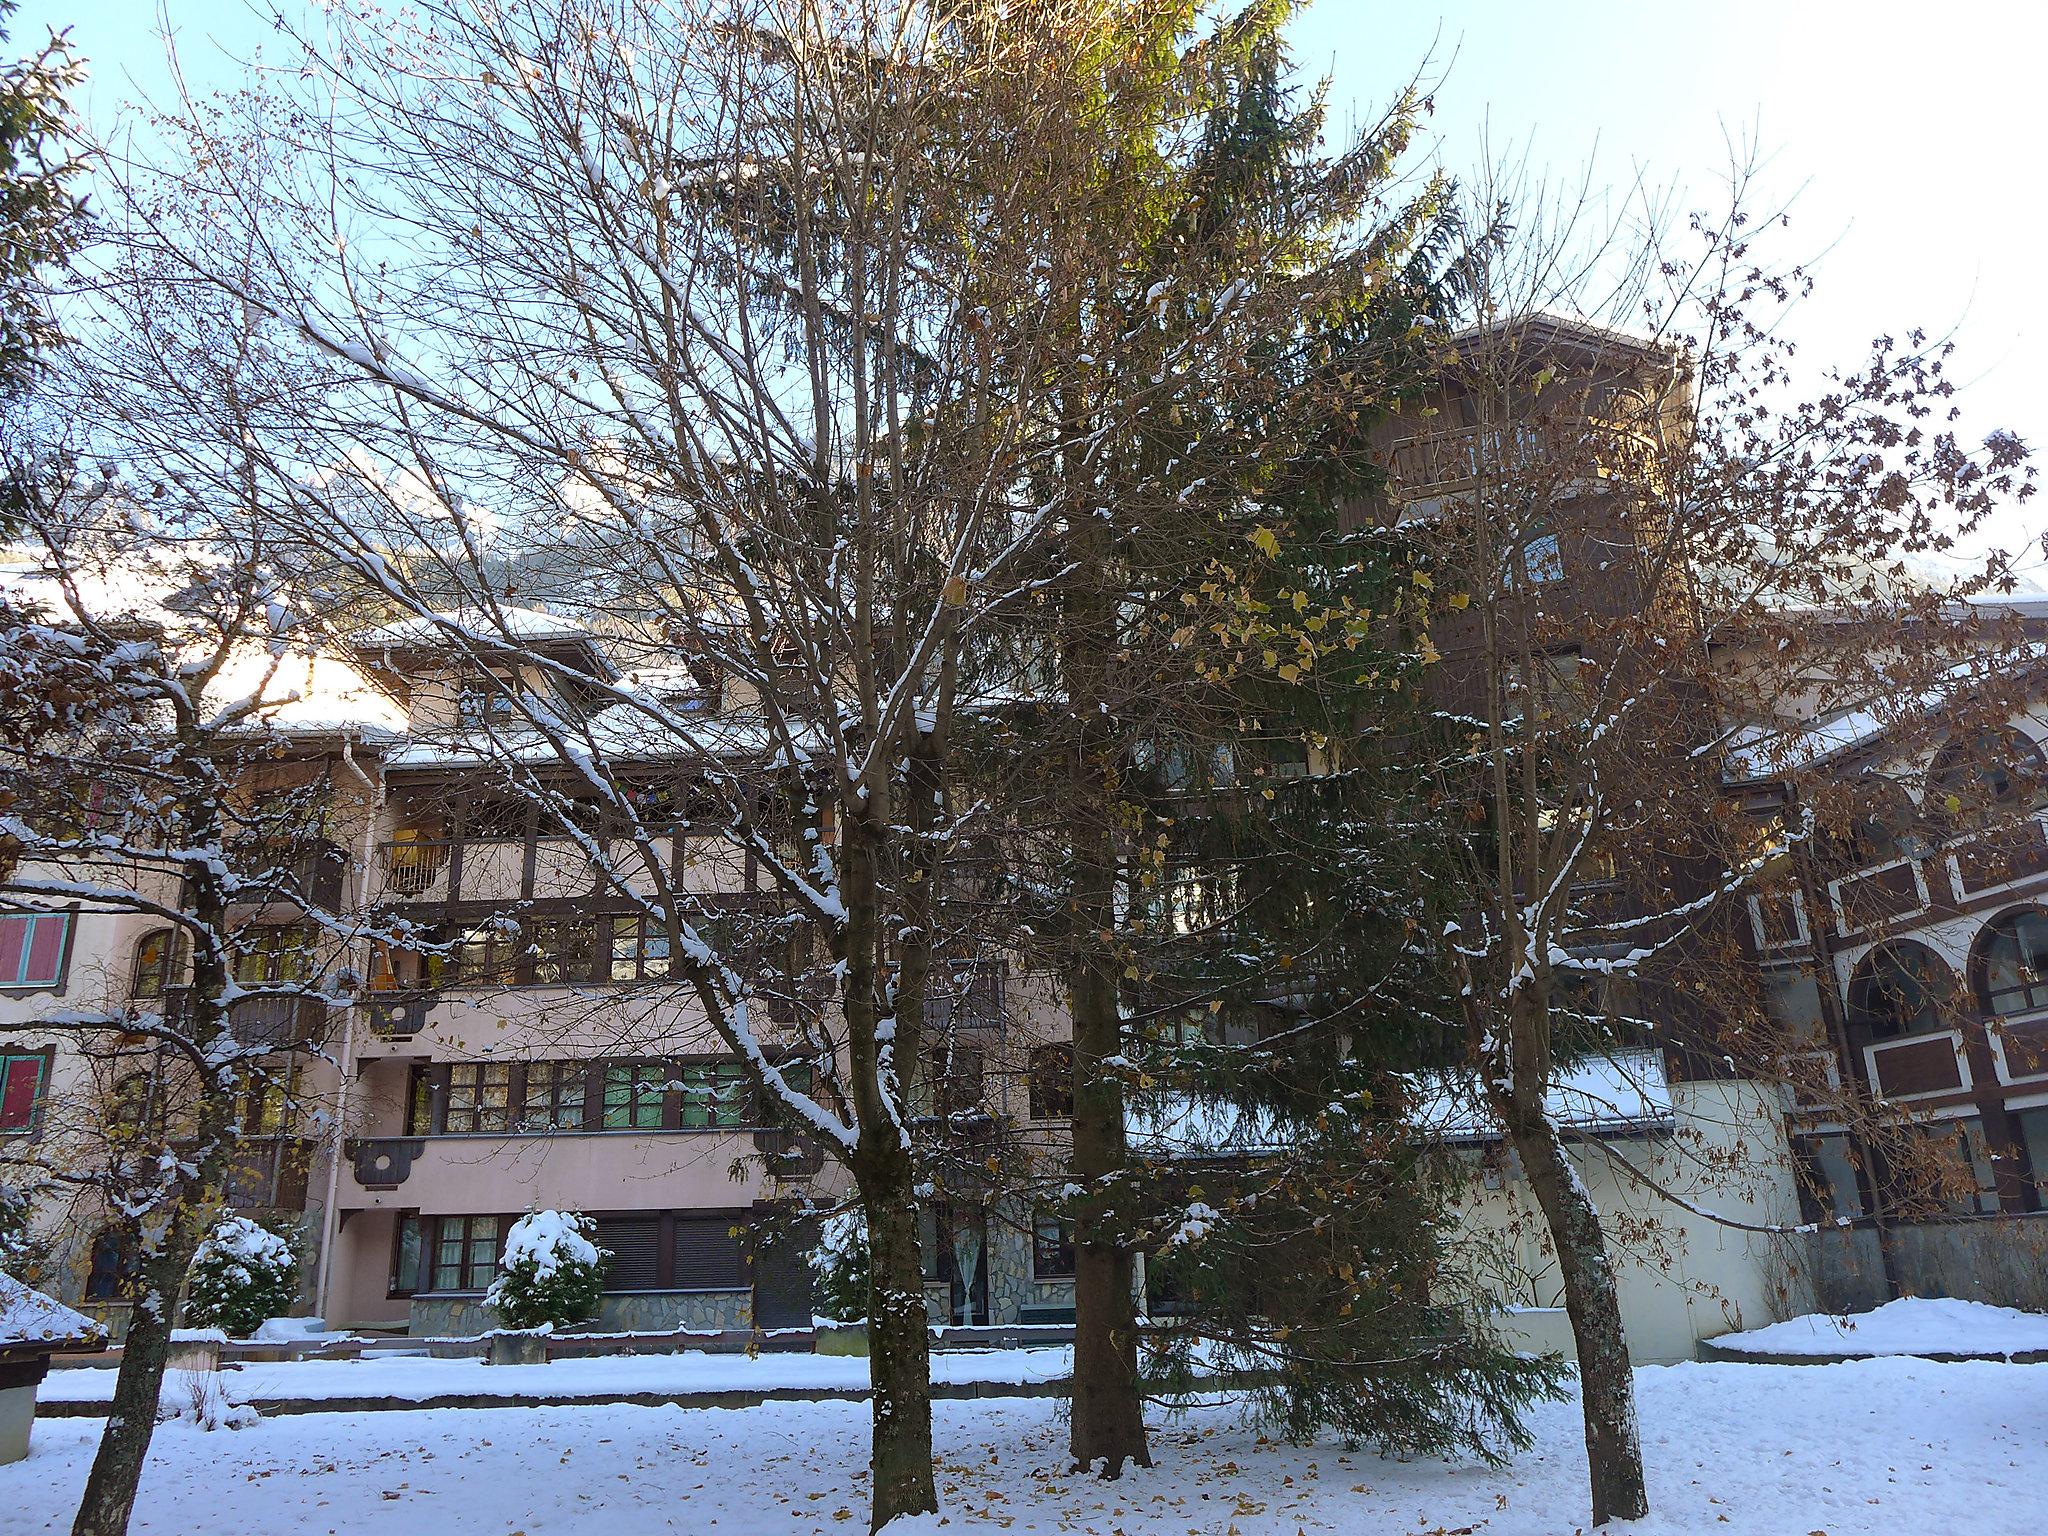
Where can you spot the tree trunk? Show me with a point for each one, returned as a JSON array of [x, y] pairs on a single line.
[[899, 1341], [1607, 1394], [881, 1059], [131, 1421], [1107, 1425]]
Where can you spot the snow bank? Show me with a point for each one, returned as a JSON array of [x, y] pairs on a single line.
[[1874, 1448], [1913, 1325], [419, 1378]]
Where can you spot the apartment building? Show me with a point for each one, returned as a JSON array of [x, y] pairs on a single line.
[[531, 1049]]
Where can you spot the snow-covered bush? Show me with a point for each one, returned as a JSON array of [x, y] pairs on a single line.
[[839, 1267], [242, 1274], [22, 1254], [201, 1398], [551, 1273]]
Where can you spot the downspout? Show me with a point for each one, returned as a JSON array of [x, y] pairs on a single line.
[[330, 1225]]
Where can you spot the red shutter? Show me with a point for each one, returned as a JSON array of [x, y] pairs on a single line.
[[13, 940], [46, 949], [18, 1092]]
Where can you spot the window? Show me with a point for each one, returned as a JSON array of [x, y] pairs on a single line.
[[22, 1076], [278, 952], [495, 819], [1792, 1003], [1052, 1248], [484, 698], [1901, 989], [419, 1104], [1052, 1082], [1542, 561], [955, 1079], [129, 1104], [32, 948], [633, 1246], [465, 1252], [639, 949], [709, 1255], [485, 955], [1978, 771], [2033, 1127], [408, 1252], [1828, 1187], [112, 1273], [553, 1100], [479, 1097], [714, 1094], [633, 1095], [2013, 955], [561, 950], [1962, 1180], [159, 965]]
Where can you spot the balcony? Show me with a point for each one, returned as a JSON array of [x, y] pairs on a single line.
[[1453, 460], [545, 868]]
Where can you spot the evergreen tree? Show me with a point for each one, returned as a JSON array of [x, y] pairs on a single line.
[[1264, 298], [38, 210]]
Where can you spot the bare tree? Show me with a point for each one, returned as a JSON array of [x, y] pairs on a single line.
[[722, 335], [1630, 527], [160, 774]]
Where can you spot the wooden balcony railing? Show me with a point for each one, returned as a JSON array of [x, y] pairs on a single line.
[[1452, 459]]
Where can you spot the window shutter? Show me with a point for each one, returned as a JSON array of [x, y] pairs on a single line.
[[635, 1244], [18, 1089], [13, 946], [46, 948], [708, 1256]]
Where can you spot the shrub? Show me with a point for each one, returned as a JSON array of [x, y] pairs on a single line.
[[552, 1272], [241, 1276]]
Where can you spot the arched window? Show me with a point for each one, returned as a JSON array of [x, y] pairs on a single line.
[[1871, 821], [1983, 770], [2012, 963], [1901, 989], [157, 961]]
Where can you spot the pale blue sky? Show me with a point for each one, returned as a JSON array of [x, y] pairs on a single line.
[[1911, 138]]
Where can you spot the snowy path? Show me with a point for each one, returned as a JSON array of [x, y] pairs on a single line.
[[1881, 1448]]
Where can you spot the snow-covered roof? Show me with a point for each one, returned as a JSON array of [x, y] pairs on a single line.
[[27, 1316], [621, 732], [1187, 1125], [312, 695], [1769, 749], [514, 624], [1627, 1091]]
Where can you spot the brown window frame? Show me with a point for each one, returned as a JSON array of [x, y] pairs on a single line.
[[468, 1266], [1050, 1089], [1048, 1255]]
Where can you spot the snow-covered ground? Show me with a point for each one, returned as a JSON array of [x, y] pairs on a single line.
[[1912, 1325], [1874, 1448], [417, 1378]]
